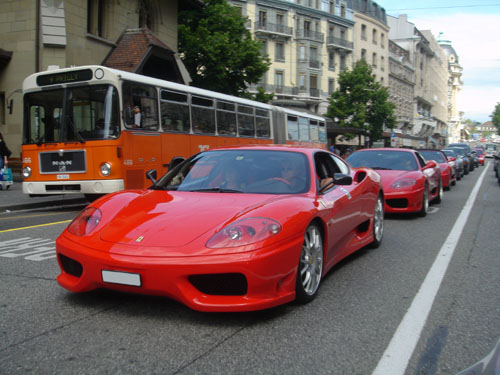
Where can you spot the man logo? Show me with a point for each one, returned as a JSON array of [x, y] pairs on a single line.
[[139, 239]]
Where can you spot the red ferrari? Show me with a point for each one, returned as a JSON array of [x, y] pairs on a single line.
[[232, 229], [448, 168], [409, 182]]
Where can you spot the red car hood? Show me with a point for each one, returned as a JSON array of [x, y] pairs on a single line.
[[170, 219], [390, 176]]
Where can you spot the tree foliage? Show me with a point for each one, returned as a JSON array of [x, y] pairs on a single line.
[[217, 49], [495, 117], [361, 102]]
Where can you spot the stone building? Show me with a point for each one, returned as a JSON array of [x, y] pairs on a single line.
[[36, 35]]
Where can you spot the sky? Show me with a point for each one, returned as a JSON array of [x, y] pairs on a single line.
[[473, 27]]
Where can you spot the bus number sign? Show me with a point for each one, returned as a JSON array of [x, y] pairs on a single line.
[[65, 77]]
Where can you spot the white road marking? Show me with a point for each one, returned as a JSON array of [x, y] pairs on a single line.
[[397, 355]]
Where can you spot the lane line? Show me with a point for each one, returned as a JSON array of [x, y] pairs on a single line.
[[397, 355], [35, 226]]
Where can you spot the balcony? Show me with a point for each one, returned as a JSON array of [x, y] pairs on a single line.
[[339, 44], [311, 35], [273, 29]]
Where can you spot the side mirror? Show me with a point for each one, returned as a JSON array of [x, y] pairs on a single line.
[[342, 179], [451, 158], [151, 174], [430, 164]]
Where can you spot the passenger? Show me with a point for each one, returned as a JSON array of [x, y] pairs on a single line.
[[232, 178], [294, 175]]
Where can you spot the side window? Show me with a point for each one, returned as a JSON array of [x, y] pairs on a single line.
[[421, 160], [263, 126], [140, 106], [313, 127], [246, 125], [303, 129], [203, 112], [341, 166], [175, 111], [292, 125], [226, 118]]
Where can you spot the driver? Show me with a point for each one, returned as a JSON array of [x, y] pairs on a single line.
[[294, 174]]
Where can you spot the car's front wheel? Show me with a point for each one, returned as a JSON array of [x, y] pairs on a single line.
[[310, 265], [425, 203]]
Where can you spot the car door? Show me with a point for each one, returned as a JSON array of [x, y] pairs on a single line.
[[339, 205]]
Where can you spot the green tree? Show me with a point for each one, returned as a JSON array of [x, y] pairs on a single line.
[[495, 117], [217, 49], [361, 102]]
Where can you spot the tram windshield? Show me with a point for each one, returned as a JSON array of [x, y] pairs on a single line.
[[78, 113]]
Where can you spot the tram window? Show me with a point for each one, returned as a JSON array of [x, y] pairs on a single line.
[[203, 116], [174, 111], [226, 118], [314, 130], [303, 129], [322, 132], [292, 128], [262, 123], [144, 98], [246, 123]]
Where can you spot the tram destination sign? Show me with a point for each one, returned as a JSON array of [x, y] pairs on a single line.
[[64, 77]]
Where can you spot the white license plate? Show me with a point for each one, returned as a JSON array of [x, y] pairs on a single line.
[[124, 278], [63, 176]]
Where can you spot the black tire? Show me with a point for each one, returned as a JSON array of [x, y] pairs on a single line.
[[310, 267], [425, 203], [439, 197], [378, 223]]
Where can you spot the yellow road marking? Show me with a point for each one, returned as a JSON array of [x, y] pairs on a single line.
[[29, 216], [35, 226]]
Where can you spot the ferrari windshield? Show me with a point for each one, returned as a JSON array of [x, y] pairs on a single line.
[[437, 156], [79, 113], [384, 160], [240, 171]]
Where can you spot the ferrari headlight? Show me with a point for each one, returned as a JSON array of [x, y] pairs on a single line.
[[85, 222], [244, 232], [105, 169], [404, 183], [26, 172]]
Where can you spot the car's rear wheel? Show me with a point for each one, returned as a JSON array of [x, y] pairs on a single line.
[[439, 196], [378, 223], [425, 203], [310, 265]]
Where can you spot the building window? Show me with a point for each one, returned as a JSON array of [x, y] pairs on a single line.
[[331, 31], [278, 81], [279, 19], [382, 63], [302, 53], [382, 41], [95, 17], [302, 82], [363, 32], [342, 10], [263, 50], [374, 60], [363, 54], [331, 86], [262, 17], [331, 60], [146, 16], [342, 63], [279, 52], [332, 7], [374, 36]]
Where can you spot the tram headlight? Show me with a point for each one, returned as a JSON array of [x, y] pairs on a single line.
[[26, 172], [105, 169]]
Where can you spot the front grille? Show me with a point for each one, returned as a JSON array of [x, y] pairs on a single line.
[[221, 284], [397, 203], [70, 266], [63, 161], [73, 187]]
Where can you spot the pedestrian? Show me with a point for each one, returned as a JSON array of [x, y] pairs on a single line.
[[137, 116], [4, 152]]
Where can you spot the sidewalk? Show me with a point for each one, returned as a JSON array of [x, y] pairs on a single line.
[[14, 199]]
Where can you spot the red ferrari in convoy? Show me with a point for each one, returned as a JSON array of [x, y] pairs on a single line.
[[448, 168], [231, 229], [410, 182]]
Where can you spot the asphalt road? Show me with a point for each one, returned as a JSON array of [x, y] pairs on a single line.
[[45, 329]]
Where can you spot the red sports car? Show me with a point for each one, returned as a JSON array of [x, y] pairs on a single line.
[[480, 155], [409, 182], [232, 229], [448, 168]]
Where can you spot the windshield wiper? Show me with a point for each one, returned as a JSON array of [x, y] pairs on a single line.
[[216, 190], [80, 138]]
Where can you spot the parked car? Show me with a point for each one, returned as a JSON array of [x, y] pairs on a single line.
[[453, 157], [230, 229], [496, 162], [475, 158], [468, 153], [448, 168], [466, 159], [481, 155], [410, 183]]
